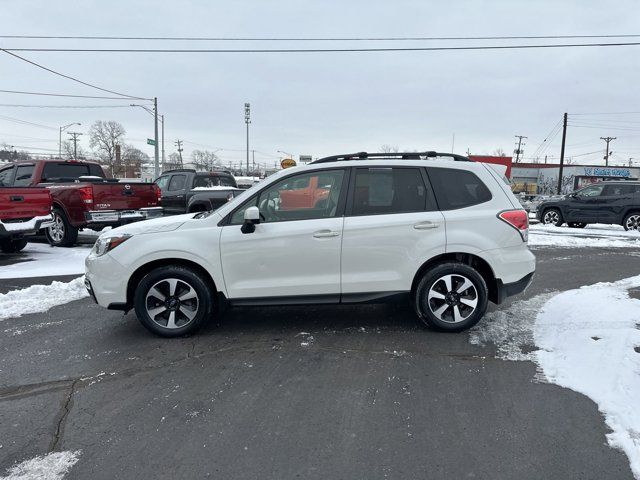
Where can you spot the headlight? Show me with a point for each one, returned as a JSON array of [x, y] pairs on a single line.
[[106, 244]]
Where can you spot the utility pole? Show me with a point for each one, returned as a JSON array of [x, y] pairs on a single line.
[[253, 159], [74, 139], [179, 145], [518, 151], [162, 116], [155, 147], [64, 127], [247, 120], [607, 152], [564, 141]]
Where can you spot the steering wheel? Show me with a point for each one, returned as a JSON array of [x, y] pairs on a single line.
[[269, 207]]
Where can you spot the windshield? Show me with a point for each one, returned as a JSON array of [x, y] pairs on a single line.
[[213, 181], [60, 172]]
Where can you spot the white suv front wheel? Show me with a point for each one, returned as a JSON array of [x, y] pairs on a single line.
[[173, 301], [451, 297]]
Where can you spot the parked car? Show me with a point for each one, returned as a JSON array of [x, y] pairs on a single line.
[[187, 191], [612, 202], [531, 202], [247, 182], [23, 211], [446, 236], [83, 196]]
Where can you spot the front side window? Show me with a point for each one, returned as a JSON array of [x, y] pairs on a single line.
[[23, 175], [389, 190], [306, 196], [6, 176], [177, 183], [457, 188], [592, 191]]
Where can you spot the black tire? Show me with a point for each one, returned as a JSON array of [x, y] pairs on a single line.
[[433, 281], [12, 245], [552, 216], [188, 315], [577, 224], [632, 221], [61, 233]]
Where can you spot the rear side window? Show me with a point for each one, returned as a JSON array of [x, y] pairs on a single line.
[[619, 190], [177, 182], [457, 188], [389, 190], [23, 175]]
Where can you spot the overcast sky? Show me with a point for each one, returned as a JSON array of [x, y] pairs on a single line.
[[319, 104]]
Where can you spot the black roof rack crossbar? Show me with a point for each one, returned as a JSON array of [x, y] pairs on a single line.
[[390, 156]]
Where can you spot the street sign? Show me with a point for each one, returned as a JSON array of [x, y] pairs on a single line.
[[305, 158], [151, 141], [288, 163]]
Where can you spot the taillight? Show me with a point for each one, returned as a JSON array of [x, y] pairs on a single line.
[[518, 219], [86, 194], [158, 192]]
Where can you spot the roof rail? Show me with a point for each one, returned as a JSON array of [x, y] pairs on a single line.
[[179, 170], [391, 156]]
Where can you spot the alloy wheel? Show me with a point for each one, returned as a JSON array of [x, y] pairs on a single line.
[[551, 217], [172, 303], [452, 298], [633, 222], [56, 231]]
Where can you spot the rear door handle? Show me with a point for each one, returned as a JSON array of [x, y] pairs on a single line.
[[425, 225], [325, 234]]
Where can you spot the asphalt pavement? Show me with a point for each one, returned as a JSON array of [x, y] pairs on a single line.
[[349, 392]]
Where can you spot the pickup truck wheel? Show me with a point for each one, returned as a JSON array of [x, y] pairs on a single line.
[[12, 246], [173, 301], [61, 233], [552, 216], [632, 221], [451, 297]]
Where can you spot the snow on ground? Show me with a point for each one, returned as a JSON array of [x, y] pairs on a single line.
[[43, 260], [40, 298], [588, 340], [52, 466], [605, 236]]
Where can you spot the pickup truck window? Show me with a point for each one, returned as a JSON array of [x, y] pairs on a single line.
[[23, 175], [6, 175], [203, 181], [162, 183], [61, 172], [177, 182]]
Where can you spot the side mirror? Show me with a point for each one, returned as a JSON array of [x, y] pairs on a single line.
[[251, 219]]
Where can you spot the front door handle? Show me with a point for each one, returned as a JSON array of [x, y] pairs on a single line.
[[325, 234], [16, 198], [425, 225]]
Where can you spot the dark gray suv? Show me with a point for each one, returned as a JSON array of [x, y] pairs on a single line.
[[613, 202]]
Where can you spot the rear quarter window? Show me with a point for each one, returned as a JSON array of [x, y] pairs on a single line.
[[456, 189]]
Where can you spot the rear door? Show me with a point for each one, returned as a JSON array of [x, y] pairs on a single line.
[[391, 226], [615, 199]]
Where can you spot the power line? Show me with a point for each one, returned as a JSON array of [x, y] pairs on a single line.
[[20, 92], [64, 106], [321, 50], [25, 122], [312, 39], [70, 77]]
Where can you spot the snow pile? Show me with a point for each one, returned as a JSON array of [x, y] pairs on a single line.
[[40, 298], [604, 236], [46, 261], [588, 340], [52, 466]]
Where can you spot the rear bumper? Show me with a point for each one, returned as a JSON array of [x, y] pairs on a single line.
[[509, 289], [121, 217], [28, 227]]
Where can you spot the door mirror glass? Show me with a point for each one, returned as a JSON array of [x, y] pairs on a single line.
[[251, 219]]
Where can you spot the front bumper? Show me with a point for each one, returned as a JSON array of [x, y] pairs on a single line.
[[505, 290], [27, 227], [106, 279], [122, 217]]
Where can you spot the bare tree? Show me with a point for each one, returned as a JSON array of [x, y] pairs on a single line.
[[131, 160], [67, 150], [498, 152], [103, 138], [389, 148], [172, 162], [205, 159]]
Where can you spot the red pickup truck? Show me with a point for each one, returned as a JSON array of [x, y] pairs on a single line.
[[23, 211], [83, 196]]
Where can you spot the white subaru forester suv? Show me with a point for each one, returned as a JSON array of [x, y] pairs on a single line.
[[437, 229]]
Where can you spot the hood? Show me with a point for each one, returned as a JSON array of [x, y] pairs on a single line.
[[162, 224]]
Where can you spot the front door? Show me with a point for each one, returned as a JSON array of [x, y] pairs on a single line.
[[173, 198], [585, 205], [294, 253]]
